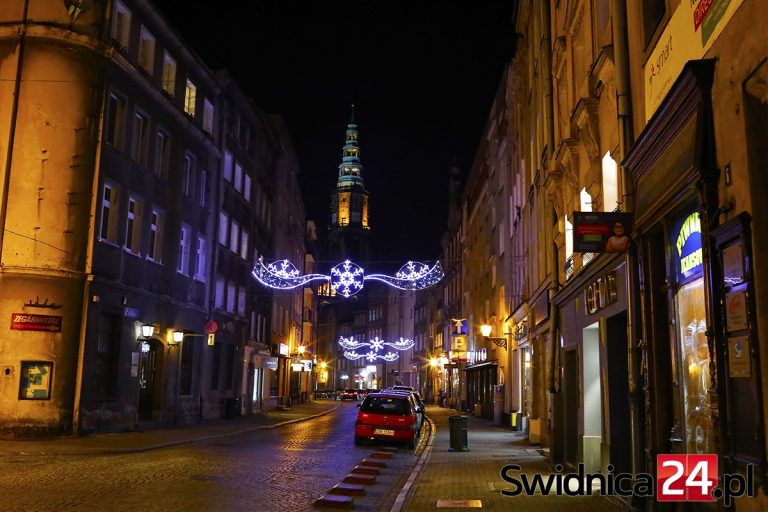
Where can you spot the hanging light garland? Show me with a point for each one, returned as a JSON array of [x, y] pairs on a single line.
[[347, 278], [350, 346]]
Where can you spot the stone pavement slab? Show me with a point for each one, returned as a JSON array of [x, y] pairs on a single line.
[[453, 480]]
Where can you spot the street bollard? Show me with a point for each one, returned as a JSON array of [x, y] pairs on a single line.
[[458, 433]]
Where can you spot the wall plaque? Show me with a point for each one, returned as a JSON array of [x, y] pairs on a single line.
[[28, 322]]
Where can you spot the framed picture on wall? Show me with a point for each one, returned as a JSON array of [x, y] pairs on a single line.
[[35, 380]]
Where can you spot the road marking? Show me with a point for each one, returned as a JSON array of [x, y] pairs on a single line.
[[459, 504]]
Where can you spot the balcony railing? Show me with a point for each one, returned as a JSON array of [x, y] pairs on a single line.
[[587, 257]]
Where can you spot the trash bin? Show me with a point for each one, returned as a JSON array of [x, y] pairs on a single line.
[[498, 404], [458, 433], [232, 408]]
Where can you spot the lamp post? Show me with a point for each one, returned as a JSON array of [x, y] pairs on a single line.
[[147, 330]]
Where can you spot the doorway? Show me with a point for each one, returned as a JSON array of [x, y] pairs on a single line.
[[571, 400], [593, 413], [257, 394], [151, 355], [620, 429]]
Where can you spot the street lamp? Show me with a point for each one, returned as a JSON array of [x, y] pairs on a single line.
[[486, 329]]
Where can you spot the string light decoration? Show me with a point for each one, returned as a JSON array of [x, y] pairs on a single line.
[[347, 278], [350, 346]]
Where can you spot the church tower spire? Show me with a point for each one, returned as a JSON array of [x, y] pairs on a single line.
[[350, 229]]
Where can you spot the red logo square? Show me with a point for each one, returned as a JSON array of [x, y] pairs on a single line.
[[686, 477]]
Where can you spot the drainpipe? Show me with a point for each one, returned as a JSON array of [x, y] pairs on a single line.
[[12, 125], [626, 139], [553, 383], [90, 242]]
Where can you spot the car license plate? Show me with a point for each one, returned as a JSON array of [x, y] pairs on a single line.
[[384, 432]]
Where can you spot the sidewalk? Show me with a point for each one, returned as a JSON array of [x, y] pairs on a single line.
[[126, 442], [454, 479]]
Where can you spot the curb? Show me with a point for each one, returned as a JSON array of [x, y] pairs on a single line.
[[405, 491]]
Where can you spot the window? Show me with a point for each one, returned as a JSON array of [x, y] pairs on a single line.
[[109, 202], [147, 51], [121, 30], [169, 74], [610, 183], [140, 138], [184, 240], [203, 188], [200, 259], [208, 116], [223, 228], [190, 98], [114, 124], [568, 238], [241, 301], [653, 12], [227, 171], [155, 248], [219, 299], [162, 153], [133, 226], [247, 187], [244, 244], [234, 237], [238, 177], [586, 200], [188, 176], [231, 295]]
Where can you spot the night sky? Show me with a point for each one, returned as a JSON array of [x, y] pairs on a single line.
[[422, 76]]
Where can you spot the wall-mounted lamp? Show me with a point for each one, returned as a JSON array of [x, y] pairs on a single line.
[[176, 338], [147, 330], [486, 329], [301, 349]]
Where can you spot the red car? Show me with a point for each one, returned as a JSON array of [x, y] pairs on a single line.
[[388, 415]]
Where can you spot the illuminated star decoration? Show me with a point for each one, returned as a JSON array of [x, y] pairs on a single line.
[[350, 346], [282, 275], [347, 278]]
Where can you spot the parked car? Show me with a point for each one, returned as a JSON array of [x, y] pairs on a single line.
[[349, 394], [420, 409], [401, 387], [388, 415]]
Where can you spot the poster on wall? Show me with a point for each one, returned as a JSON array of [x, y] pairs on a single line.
[[35, 380], [738, 357], [601, 231]]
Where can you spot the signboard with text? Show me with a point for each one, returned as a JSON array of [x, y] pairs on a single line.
[[28, 322], [601, 231]]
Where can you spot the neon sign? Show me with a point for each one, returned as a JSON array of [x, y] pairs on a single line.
[[688, 246]]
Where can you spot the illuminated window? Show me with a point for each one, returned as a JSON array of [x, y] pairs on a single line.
[[133, 226], [241, 300], [162, 153], [219, 297], [365, 212], [247, 187], [203, 188], [200, 270], [586, 200], [234, 237], [147, 50], [155, 248], [184, 243], [610, 183], [140, 138], [344, 208], [169, 74], [190, 98], [114, 124], [568, 238], [109, 202], [238, 177], [231, 296], [207, 116], [244, 244]]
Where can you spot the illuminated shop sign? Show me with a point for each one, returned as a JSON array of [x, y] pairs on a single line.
[[601, 231], [687, 251]]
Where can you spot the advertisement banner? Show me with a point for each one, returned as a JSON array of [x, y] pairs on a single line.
[[601, 231]]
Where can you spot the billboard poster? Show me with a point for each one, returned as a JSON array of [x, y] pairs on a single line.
[[601, 231]]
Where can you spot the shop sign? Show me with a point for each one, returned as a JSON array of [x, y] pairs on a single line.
[[600, 293], [459, 326], [478, 356], [601, 231], [690, 33], [271, 363], [28, 322], [687, 250], [297, 367], [520, 331], [283, 349], [459, 344], [131, 313]]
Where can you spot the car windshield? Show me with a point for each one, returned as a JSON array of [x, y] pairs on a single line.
[[385, 405]]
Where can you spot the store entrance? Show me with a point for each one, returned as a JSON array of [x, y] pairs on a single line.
[[619, 427], [593, 414], [570, 391]]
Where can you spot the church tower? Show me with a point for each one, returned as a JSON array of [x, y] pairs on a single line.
[[349, 235]]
